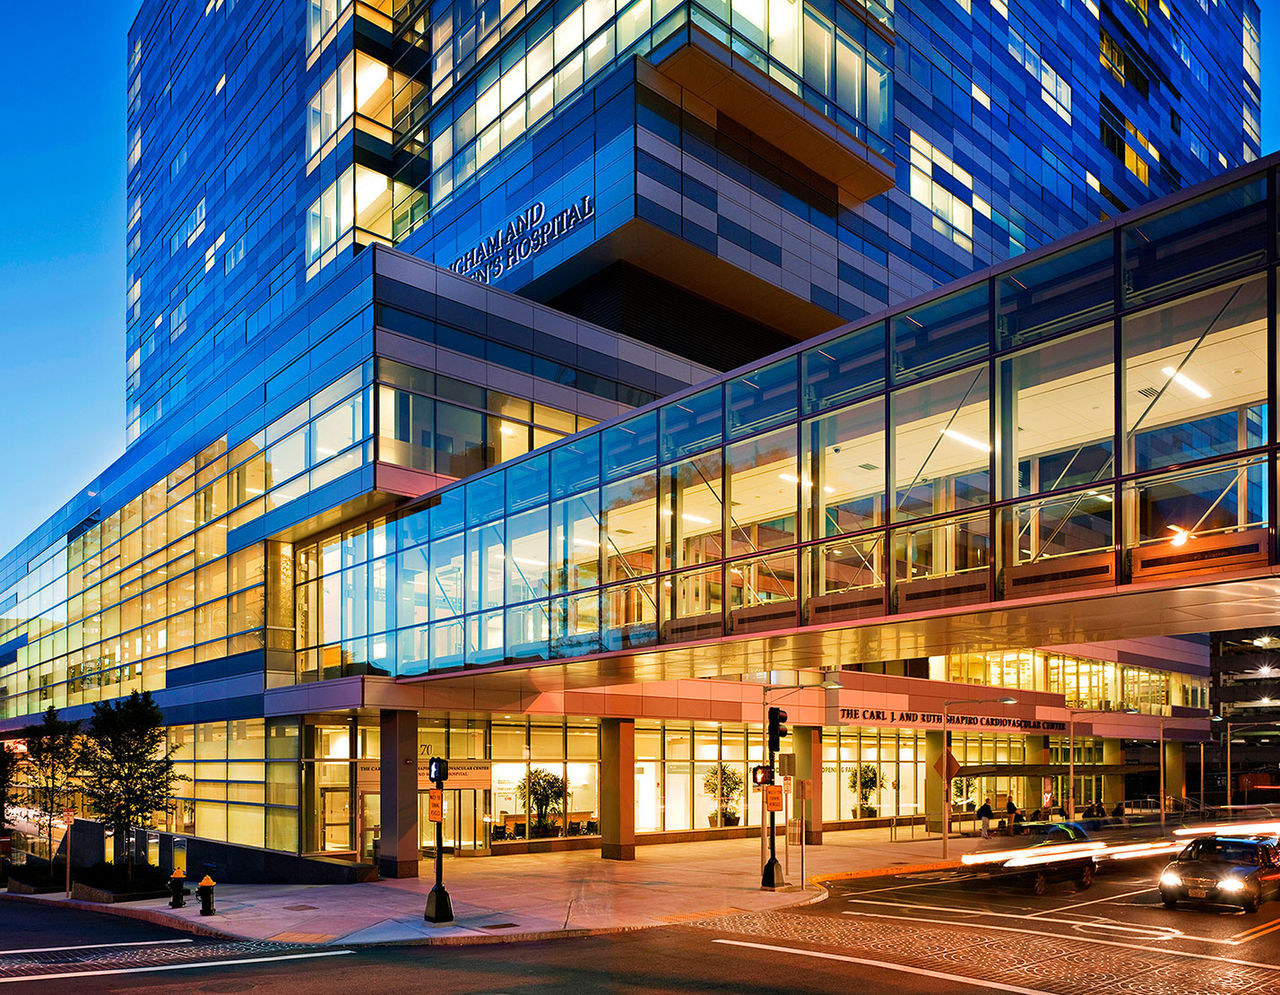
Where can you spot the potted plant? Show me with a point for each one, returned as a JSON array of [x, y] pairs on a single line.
[[724, 784], [864, 780], [546, 792]]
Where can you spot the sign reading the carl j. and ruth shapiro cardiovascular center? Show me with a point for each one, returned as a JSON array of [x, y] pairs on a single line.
[[521, 238], [893, 717]]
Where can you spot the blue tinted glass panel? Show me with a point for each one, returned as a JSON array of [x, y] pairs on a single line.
[[844, 369], [762, 399], [1066, 290], [486, 498], [575, 465], [692, 424], [631, 446], [940, 334], [1197, 243], [446, 517], [527, 482], [413, 529]]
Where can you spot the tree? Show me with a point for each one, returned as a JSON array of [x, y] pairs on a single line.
[[10, 760], [52, 756], [546, 793], [865, 779], [127, 765], [724, 784]]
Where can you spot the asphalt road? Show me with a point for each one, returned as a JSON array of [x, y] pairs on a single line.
[[945, 932]]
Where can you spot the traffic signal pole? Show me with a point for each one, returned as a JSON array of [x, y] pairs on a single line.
[[772, 876], [439, 907]]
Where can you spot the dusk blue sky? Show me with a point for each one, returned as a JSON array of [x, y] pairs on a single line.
[[62, 257]]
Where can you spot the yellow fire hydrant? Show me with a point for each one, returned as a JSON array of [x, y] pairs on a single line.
[[205, 890]]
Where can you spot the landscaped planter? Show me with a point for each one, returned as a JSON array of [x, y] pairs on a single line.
[[84, 893], [22, 888]]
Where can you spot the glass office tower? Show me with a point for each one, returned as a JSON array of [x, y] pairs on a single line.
[[400, 274]]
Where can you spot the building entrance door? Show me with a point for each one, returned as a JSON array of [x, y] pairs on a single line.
[[465, 829], [369, 823]]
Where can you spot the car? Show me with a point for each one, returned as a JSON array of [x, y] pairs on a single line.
[[1224, 870], [1059, 853]]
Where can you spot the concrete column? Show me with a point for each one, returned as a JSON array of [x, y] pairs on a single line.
[[398, 800], [618, 789], [1112, 784], [1175, 769], [807, 742], [1032, 794], [933, 784]]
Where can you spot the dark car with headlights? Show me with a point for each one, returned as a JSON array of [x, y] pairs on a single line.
[[1224, 870]]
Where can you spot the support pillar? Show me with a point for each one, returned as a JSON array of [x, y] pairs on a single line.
[[398, 800], [1175, 770], [618, 789], [1033, 787], [933, 784], [1112, 784], [807, 742]]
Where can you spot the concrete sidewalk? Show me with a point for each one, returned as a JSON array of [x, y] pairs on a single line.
[[538, 896]]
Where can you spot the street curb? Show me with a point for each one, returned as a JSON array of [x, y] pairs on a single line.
[[158, 918], [885, 872], [153, 916]]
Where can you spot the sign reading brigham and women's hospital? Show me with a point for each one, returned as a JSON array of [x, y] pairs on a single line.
[[521, 238]]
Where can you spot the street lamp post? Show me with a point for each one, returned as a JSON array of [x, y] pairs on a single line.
[[946, 756], [1071, 760]]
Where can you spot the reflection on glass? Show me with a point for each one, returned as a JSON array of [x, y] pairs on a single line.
[[1195, 377], [942, 447], [846, 450], [763, 482], [1057, 414]]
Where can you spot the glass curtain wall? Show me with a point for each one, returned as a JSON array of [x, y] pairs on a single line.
[[1092, 417]]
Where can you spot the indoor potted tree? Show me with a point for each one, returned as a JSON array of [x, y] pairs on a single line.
[[724, 784], [546, 791], [864, 780]]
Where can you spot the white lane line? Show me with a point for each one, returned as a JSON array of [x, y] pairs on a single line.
[[93, 946], [1078, 939], [1176, 934], [982, 983], [175, 967], [1096, 901], [918, 884]]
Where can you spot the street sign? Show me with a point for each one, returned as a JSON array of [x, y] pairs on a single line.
[[787, 764], [947, 766], [773, 798], [68, 815], [805, 786], [435, 805], [786, 783]]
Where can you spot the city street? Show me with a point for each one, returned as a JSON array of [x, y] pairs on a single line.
[[945, 932]]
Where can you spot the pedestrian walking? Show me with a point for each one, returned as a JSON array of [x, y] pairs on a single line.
[[986, 814]]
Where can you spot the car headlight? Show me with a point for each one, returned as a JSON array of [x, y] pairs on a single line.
[[1170, 879], [1231, 884]]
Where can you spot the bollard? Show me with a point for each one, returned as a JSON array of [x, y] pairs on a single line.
[[205, 891], [177, 885]]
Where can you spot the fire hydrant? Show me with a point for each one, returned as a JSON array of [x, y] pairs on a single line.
[[205, 892], [177, 885]]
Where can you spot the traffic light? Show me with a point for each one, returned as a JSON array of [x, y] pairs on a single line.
[[761, 774], [438, 769], [777, 728]]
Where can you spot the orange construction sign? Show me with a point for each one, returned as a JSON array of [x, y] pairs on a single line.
[[773, 797], [435, 805]]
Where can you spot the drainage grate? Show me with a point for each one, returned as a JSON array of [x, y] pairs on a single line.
[[501, 925]]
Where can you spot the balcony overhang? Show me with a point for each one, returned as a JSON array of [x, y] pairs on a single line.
[[730, 84], [1129, 612]]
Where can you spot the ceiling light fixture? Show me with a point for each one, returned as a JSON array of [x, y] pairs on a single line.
[[1180, 536], [1186, 382], [960, 437]]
